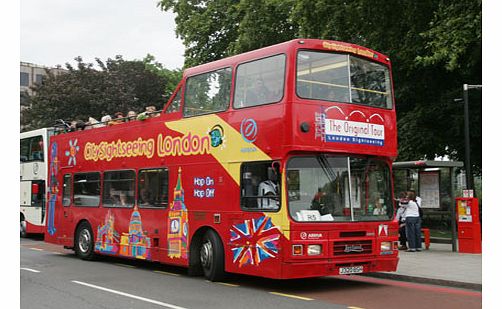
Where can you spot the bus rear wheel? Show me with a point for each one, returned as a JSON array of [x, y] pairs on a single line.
[[212, 257], [84, 242]]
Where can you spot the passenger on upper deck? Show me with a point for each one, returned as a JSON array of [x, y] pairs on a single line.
[[119, 118], [131, 115], [151, 111], [259, 94], [105, 119], [92, 123]]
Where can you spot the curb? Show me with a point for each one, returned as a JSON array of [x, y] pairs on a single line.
[[441, 282]]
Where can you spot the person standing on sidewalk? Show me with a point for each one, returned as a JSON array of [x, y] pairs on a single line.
[[413, 224], [401, 219]]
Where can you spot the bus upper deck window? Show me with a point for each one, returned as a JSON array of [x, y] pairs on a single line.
[[260, 82]]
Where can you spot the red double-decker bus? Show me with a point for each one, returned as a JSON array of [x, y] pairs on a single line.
[[273, 163]]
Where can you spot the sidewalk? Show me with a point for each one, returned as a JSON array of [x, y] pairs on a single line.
[[438, 265]]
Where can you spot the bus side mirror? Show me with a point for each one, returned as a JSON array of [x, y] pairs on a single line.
[[34, 188]]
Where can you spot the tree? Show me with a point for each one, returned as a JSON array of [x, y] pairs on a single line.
[[83, 92], [206, 27], [215, 29]]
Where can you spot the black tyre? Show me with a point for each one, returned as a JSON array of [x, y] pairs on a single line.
[[84, 242], [194, 265], [212, 257], [22, 227]]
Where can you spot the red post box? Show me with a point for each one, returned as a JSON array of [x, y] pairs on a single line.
[[469, 228]]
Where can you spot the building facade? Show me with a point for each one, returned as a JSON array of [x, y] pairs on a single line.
[[31, 74]]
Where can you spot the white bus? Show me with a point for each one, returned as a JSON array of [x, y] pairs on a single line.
[[34, 178]]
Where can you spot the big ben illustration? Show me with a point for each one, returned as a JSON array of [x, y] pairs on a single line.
[[177, 234]]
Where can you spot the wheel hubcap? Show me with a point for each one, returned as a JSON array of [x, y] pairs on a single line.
[[84, 240], [206, 254]]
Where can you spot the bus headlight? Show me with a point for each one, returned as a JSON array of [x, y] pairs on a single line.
[[314, 250], [386, 246]]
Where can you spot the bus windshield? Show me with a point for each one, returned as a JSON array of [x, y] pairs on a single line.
[[342, 78], [329, 188]]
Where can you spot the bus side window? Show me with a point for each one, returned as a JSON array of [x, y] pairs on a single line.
[[207, 93], [118, 188], [153, 188], [175, 104], [67, 190], [87, 189], [259, 189], [260, 82]]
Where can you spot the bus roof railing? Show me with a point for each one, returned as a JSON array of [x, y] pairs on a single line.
[[63, 126]]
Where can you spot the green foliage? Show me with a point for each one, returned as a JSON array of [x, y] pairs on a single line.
[[85, 91], [206, 27], [173, 77], [212, 30], [454, 35], [435, 47]]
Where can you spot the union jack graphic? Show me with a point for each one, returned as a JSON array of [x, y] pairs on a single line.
[[254, 240]]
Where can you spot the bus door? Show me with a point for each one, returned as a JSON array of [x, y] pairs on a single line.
[[64, 214]]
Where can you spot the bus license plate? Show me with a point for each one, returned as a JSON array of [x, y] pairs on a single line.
[[351, 270]]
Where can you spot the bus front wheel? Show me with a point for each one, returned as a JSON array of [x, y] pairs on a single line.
[[84, 246], [212, 257], [22, 227]]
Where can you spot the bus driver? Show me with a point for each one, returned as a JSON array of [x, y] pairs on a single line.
[[268, 188]]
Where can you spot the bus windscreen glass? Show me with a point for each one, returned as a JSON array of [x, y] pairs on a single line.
[[339, 189], [342, 78]]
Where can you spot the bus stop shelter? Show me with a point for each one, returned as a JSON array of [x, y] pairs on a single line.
[[435, 182]]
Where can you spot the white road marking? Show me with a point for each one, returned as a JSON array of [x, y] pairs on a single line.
[[29, 269], [152, 301], [291, 296], [38, 249]]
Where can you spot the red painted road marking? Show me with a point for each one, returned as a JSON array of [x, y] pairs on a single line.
[[420, 286]]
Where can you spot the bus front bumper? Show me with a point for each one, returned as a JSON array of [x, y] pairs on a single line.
[[332, 267]]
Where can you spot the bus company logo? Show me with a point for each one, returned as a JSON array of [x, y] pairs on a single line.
[[305, 235], [354, 128], [249, 130], [186, 145], [353, 248], [217, 135]]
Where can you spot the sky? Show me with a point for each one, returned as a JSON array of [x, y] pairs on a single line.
[[54, 32]]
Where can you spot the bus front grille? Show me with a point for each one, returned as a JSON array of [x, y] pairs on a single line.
[[352, 247]]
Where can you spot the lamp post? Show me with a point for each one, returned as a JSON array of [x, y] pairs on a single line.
[[468, 170]]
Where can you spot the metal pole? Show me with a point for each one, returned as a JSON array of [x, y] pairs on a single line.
[[468, 171], [453, 213]]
